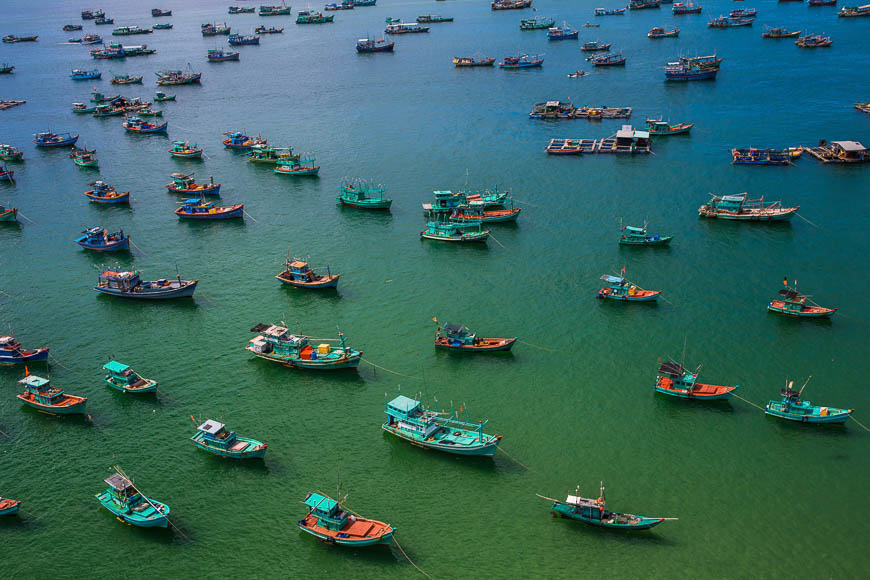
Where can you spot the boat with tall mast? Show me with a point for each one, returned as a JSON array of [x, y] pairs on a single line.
[[459, 337], [619, 288], [594, 512], [793, 408], [792, 303], [130, 506], [677, 381]]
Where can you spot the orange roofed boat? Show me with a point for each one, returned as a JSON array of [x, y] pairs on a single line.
[[458, 337]]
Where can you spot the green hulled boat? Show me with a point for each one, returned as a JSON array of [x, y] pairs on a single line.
[[793, 408], [11, 153], [130, 506], [361, 194], [160, 97], [82, 108], [791, 303], [149, 112], [276, 343], [634, 236], [125, 379], [594, 512], [215, 438], [539, 23], [87, 160], [272, 155], [313, 17], [453, 232], [8, 214]]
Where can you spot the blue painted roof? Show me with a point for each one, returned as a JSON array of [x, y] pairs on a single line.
[[114, 366], [404, 404]]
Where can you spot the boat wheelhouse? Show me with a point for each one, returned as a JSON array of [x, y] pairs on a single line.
[[459, 337], [215, 438], [738, 207], [278, 344], [594, 512], [675, 380], [130, 285], [42, 396], [99, 239], [300, 274], [122, 378], [329, 522], [12, 353], [130, 506], [185, 150]]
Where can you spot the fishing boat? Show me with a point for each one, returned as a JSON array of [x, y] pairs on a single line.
[[614, 59], [621, 289], [744, 13], [162, 97], [792, 303], [126, 80], [537, 23], [374, 45], [434, 19], [87, 15], [446, 202], [405, 28], [814, 41], [12, 353], [863, 107], [738, 207], [329, 522], [594, 512], [522, 61], [215, 29], [755, 156], [81, 151], [359, 3], [277, 344], [303, 167], [431, 429], [200, 209], [563, 32], [281, 10], [595, 45], [91, 39], [821, 2], [300, 274], [186, 184], [609, 11], [238, 141], [446, 231], [215, 438], [470, 61], [177, 77], [658, 127], [11, 38], [643, 4], [122, 378], [659, 32], [49, 139], [10, 153], [780, 33], [474, 212], [157, 12], [8, 214], [100, 239], [9, 507], [110, 110], [129, 30], [163, 26], [345, 5], [793, 408], [459, 337], [130, 506], [137, 125], [42, 396], [87, 159], [313, 17], [6, 173], [241, 10], [364, 195], [685, 8], [261, 153], [270, 30], [854, 11], [635, 236], [184, 150], [675, 380], [243, 40], [149, 112], [510, 4], [129, 285], [104, 193], [6, 69], [109, 52], [71, 27], [728, 22], [692, 69]]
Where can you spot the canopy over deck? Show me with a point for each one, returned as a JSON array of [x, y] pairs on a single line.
[[34, 381], [114, 366], [320, 503], [118, 482], [211, 427]]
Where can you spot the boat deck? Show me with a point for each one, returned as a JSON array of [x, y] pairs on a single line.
[[610, 145], [572, 146], [826, 154], [9, 104]]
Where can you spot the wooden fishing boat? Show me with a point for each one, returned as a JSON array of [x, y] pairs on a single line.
[[594, 512], [453, 232], [329, 522], [676, 381], [129, 285], [537, 23], [359, 3], [91, 39], [243, 40], [469, 61], [658, 127], [220, 55], [634, 236], [614, 59], [791, 303], [863, 107], [374, 45], [149, 112], [814, 41], [12, 353], [459, 337], [85, 158], [126, 80], [281, 10], [685, 8], [755, 156], [100, 98], [107, 21], [49, 139], [240, 142], [130, 506], [510, 4], [186, 184], [854, 11], [430, 429], [99, 239], [71, 27], [364, 195], [184, 150], [595, 45], [609, 11], [130, 30], [345, 5], [821, 2], [693, 68], [8, 214], [728, 22], [260, 153], [446, 202], [110, 110], [277, 344], [87, 15], [299, 274], [11, 153], [104, 193], [522, 61], [434, 19], [738, 207], [84, 75], [215, 29], [313, 17], [6, 69], [780, 33], [82, 108], [621, 289], [793, 408], [162, 97], [660, 32], [474, 213], [241, 10], [303, 167], [743, 13], [122, 378], [215, 438], [157, 12], [643, 4], [200, 209], [42, 396], [11, 38], [405, 28], [177, 77], [6, 173], [262, 29], [163, 26], [563, 32], [9, 507], [137, 125]]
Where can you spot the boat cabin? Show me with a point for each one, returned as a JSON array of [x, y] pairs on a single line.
[[277, 339], [678, 375], [41, 389], [729, 203], [121, 374], [121, 488], [850, 151], [630, 141], [457, 334], [592, 509], [327, 511], [216, 434], [123, 281], [299, 270]]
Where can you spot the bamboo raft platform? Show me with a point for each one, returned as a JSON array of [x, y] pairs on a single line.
[[624, 141], [863, 107], [840, 152], [572, 146], [9, 104]]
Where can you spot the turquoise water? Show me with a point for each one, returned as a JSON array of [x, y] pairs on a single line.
[[574, 400]]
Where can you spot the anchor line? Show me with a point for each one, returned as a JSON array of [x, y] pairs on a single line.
[[410, 561], [515, 460], [388, 370], [747, 401]]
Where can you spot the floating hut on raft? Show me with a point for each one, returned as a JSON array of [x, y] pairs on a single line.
[[552, 110], [626, 140], [840, 152]]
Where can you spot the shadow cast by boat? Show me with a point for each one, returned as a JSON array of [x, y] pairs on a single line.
[[675, 406], [225, 465], [22, 522], [124, 303], [77, 420], [123, 399], [303, 297], [355, 215], [223, 223], [373, 555], [787, 322]]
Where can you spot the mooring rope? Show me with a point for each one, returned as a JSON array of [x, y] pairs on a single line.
[[863, 426], [748, 401], [410, 561], [806, 220], [536, 346], [57, 362], [388, 370], [495, 240], [515, 460], [138, 248]]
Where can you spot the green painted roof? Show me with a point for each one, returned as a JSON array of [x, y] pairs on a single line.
[[404, 404], [34, 381], [114, 366], [319, 502]]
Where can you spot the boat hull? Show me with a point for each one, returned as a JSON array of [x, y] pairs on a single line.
[[183, 292], [837, 416], [150, 386], [121, 198], [9, 507], [24, 356], [258, 452], [224, 213], [110, 247], [9, 215], [160, 521], [475, 237], [487, 449], [700, 392], [381, 204], [350, 362], [643, 523], [642, 296], [649, 241], [325, 282], [76, 405], [807, 312], [485, 345], [308, 526]]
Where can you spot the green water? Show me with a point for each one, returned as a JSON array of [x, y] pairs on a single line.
[[755, 496]]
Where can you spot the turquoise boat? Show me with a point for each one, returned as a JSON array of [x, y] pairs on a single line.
[[791, 303], [329, 522], [130, 506], [409, 420], [215, 438], [676, 381], [793, 408], [277, 344], [594, 512], [125, 379], [9, 507], [634, 236], [621, 289], [42, 396], [358, 193], [454, 232], [447, 201]]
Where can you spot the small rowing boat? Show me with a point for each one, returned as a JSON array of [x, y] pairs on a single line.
[[301, 275], [122, 378]]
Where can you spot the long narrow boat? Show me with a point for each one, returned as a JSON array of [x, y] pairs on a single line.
[[243, 40], [621, 289], [215, 438], [614, 59], [675, 380], [300, 274], [729, 22], [177, 77], [738, 207], [793, 408], [329, 522], [792, 303], [186, 184], [84, 75], [200, 209], [129, 285], [686, 8], [409, 420], [262, 153], [780, 33], [643, 4], [99, 239], [366, 45], [658, 127], [364, 195], [756, 156], [132, 507], [220, 55], [474, 213], [313, 17], [594, 512], [42, 396], [522, 61], [537, 23], [104, 193], [278, 344], [609, 11], [470, 61], [854, 11], [814, 41], [122, 378], [510, 4], [459, 337], [49, 139], [453, 232], [661, 32], [12, 353], [9, 507]]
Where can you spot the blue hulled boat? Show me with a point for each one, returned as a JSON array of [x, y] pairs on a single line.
[[137, 125], [243, 40], [200, 209], [12, 353], [793, 408], [99, 239], [563, 32], [130, 506], [129, 285], [49, 139], [594, 512], [215, 438], [522, 61], [84, 75]]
